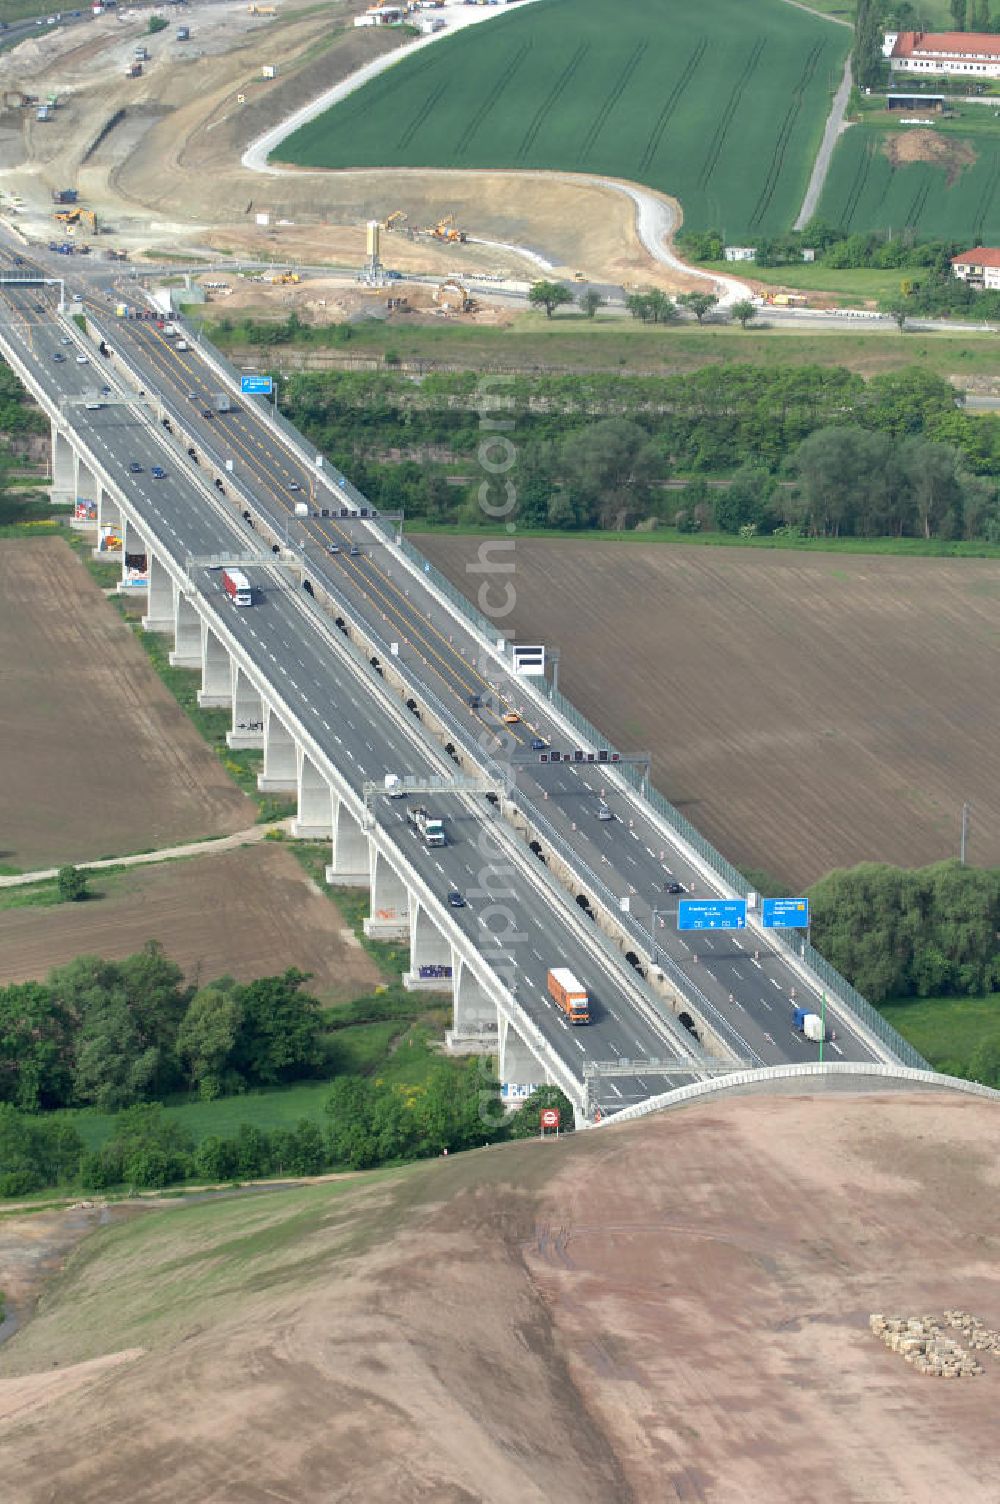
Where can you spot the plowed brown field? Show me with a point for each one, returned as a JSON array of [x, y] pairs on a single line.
[[246, 913], [96, 757], [805, 711]]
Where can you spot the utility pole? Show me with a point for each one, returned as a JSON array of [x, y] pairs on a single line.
[[965, 834]]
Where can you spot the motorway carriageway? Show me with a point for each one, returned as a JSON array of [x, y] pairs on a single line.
[[357, 732], [739, 975]]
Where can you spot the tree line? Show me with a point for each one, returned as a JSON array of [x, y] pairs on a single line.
[[110, 1034], [897, 933], [367, 1123], [813, 448]]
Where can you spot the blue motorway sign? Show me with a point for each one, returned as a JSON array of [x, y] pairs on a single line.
[[712, 914], [256, 386], [785, 913]]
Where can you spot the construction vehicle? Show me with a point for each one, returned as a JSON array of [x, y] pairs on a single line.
[[429, 826], [568, 994], [64, 195], [455, 298], [73, 217], [133, 70], [446, 229], [286, 279], [262, 10], [398, 217]]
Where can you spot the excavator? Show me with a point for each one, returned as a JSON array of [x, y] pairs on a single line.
[[399, 217], [73, 217]]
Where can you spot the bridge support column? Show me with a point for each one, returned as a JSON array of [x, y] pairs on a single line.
[[108, 517], [349, 858], [314, 820], [248, 713], [187, 632], [475, 1017], [216, 679], [63, 467], [390, 906], [86, 489], [160, 608], [135, 561], [280, 775], [517, 1063], [430, 955]]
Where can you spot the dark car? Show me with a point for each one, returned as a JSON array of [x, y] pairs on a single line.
[[59, 356], [207, 412], [135, 467], [455, 899], [537, 745], [673, 888], [157, 472]]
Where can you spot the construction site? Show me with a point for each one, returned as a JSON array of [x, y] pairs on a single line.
[[124, 144]]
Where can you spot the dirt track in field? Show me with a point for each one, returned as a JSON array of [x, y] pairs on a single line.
[[247, 913], [805, 711], [591, 1321], [96, 757]]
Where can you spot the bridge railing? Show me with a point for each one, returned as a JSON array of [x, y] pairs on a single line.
[[729, 875]]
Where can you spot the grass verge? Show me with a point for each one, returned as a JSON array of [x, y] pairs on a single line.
[[946, 1030]]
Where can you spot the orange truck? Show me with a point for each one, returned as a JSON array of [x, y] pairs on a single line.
[[568, 995]]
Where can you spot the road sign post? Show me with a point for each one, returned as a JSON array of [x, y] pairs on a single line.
[[549, 1118], [256, 386], [712, 914], [785, 913]]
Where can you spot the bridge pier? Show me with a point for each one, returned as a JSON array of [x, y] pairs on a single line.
[[431, 965], [314, 819], [280, 775], [108, 516], [216, 678], [350, 864], [160, 606], [187, 632], [390, 905], [248, 713], [134, 579], [63, 466], [87, 488], [517, 1063], [475, 1016]]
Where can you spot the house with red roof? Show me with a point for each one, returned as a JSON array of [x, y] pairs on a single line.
[[975, 54], [979, 267]]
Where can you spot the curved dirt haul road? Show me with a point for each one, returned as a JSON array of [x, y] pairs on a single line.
[[656, 216]]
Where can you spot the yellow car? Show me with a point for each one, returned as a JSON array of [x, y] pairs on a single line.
[[511, 718]]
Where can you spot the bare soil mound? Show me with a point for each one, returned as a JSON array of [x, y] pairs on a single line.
[[672, 1309], [922, 145]]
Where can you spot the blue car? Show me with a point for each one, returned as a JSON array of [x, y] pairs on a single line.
[[537, 745], [157, 472]]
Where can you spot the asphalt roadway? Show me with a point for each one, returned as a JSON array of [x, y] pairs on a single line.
[[739, 980], [348, 717]]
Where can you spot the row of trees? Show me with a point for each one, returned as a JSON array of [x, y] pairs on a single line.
[[900, 933], [109, 1034], [808, 447], [834, 247], [367, 1123]]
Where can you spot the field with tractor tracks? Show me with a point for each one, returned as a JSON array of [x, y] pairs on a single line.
[[721, 105]]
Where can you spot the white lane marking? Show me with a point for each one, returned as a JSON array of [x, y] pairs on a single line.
[[614, 1088], [774, 983]]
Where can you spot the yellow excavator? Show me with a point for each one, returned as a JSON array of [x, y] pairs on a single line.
[[286, 279], [73, 217], [446, 229], [399, 217]]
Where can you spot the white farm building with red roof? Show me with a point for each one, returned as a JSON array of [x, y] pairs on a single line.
[[979, 267], [976, 54]]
